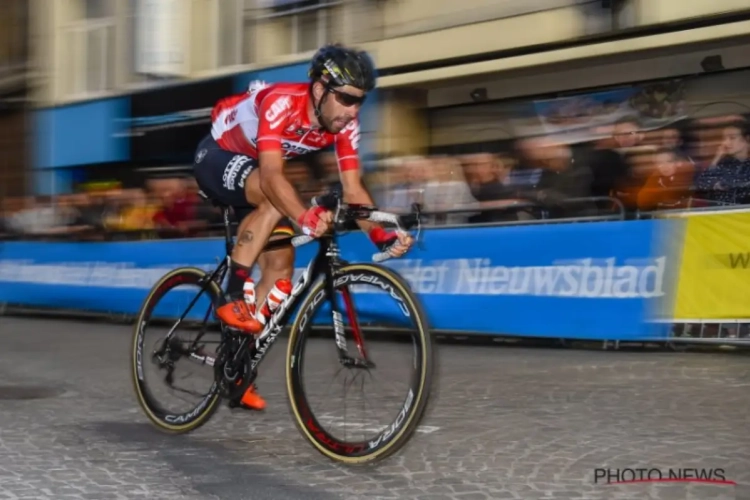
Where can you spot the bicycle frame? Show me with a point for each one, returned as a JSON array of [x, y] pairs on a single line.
[[325, 263]]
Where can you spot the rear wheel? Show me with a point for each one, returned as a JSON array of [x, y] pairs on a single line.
[[173, 352], [388, 299]]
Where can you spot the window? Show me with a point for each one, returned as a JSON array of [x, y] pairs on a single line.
[[153, 34], [89, 63], [14, 36], [89, 56], [230, 32], [98, 9], [284, 27], [82, 10], [312, 28]]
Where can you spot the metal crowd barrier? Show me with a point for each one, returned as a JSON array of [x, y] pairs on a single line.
[[216, 229]]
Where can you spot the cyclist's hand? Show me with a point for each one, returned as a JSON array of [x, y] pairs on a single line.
[[403, 243], [315, 221], [395, 243]]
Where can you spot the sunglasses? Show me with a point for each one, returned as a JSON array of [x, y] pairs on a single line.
[[347, 100]]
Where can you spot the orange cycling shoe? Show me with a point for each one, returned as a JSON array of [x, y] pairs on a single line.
[[237, 314], [252, 400]]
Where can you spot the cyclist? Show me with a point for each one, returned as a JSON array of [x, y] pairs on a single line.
[[240, 164]]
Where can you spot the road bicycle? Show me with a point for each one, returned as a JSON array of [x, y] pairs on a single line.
[[237, 357]]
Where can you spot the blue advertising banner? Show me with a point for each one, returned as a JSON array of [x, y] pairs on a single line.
[[587, 280], [81, 134]]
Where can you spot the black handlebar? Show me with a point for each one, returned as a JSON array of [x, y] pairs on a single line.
[[347, 215]]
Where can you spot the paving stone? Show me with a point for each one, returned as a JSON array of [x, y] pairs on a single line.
[[508, 423]]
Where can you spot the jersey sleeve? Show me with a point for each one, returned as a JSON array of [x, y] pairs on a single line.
[[273, 118], [347, 147]]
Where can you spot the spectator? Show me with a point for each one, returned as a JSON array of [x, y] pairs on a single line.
[[727, 178], [674, 138], [412, 176], [181, 212], [491, 179], [10, 206], [669, 184], [447, 190], [38, 216], [565, 176], [488, 176], [136, 212], [612, 173]]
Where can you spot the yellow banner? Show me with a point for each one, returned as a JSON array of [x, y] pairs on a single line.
[[714, 280]]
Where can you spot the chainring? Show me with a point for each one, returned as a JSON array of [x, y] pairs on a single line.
[[233, 380]]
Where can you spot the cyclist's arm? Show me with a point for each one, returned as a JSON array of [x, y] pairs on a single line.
[[272, 119], [276, 187], [347, 156], [355, 193]]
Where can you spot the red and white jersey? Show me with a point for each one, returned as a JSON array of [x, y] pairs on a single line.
[[274, 117]]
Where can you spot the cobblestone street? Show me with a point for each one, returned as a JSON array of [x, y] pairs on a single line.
[[505, 423]]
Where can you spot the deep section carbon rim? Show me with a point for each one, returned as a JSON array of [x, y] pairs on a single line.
[[323, 430], [168, 311]]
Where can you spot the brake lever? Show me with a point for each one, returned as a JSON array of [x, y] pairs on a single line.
[[418, 239]]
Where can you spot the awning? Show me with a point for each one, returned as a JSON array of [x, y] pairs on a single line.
[[594, 50]]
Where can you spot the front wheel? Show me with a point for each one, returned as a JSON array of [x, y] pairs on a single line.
[[393, 318]]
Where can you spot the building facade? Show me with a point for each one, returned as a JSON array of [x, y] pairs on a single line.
[[120, 82], [14, 81]]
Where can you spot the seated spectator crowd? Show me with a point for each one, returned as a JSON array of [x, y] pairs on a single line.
[[629, 173]]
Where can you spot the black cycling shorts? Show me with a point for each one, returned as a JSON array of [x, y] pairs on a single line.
[[221, 175]]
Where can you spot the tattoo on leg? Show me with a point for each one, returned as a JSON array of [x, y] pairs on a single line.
[[245, 238]]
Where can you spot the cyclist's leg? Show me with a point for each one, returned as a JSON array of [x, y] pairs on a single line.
[[275, 265], [232, 179]]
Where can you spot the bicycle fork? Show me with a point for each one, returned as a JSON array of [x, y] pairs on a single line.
[[339, 330]]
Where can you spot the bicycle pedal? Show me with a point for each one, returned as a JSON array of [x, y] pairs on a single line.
[[237, 331], [237, 405]]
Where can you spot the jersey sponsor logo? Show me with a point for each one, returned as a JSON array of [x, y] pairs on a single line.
[[230, 117], [201, 154], [295, 149], [232, 169], [275, 124], [275, 114], [243, 177], [353, 130]]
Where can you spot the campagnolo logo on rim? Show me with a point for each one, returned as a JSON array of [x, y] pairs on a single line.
[[353, 279]]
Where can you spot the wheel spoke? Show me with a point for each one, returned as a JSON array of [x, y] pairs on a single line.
[[321, 429], [176, 348]]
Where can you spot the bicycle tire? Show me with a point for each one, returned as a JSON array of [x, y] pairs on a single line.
[[303, 416], [194, 419]]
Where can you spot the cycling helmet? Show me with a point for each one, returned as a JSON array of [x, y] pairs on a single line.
[[336, 66]]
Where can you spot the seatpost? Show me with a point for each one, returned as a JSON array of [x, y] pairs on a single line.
[[227, 230]]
